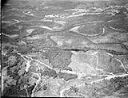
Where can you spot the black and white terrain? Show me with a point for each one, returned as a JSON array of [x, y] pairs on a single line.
[[64, 48]]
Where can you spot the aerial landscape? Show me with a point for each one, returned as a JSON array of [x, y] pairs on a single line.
[[64, 48]]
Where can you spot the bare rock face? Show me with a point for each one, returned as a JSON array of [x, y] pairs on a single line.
[[64, 48]]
